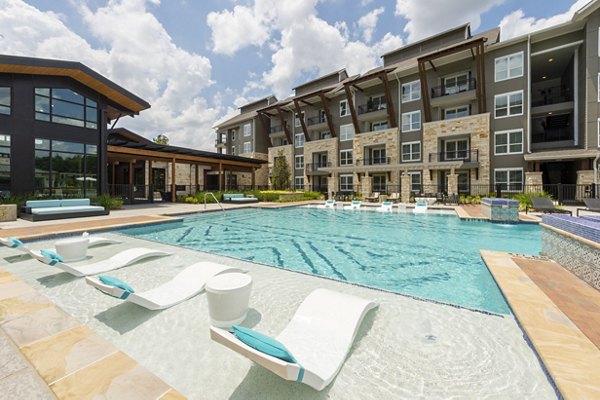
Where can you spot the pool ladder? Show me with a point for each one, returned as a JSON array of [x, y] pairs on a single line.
[[213, 196]]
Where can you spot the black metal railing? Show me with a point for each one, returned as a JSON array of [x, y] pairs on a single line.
[[219, 141], [374, 161], [315, 166], [319, 119], [371, 107], [447, 90], [551, 95], [278, 128], [469, 155], [552, 135]]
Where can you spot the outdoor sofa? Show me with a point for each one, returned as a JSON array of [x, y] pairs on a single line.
[[43, 210], [238, 198]]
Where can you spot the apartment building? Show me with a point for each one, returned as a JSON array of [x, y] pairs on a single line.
[[454, 113]]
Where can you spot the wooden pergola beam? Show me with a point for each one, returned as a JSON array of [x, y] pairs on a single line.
[[424, 91], [302, 122], [352, 110], [285, 127], [328, 114], [389, 100]]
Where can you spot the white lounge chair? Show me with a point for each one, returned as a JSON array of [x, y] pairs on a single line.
[[93, 241], [420, 207], [386, 206], [328, 204], [14, 244], [355, 205], [317, 339], [185, 285], [119, 260]]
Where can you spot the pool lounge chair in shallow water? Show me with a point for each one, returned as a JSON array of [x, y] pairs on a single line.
[[185, 285], [93, 241], [119, 260], [328, 204], [355, 205], [420, 207], [312, 348], [386, 206]]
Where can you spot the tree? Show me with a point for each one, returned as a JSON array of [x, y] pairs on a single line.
[[161, 139], [281, 172]]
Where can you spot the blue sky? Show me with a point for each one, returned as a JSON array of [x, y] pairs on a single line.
[[197, 61]]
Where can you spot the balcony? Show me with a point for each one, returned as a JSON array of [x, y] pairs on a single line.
[[314, 168], [465, 156], [372, 111], [374, 161], [316, 123], [277, 132], [461, 93], [221, 142]]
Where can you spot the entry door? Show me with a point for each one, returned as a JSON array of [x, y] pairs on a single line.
[[323, 160], [158, 179]]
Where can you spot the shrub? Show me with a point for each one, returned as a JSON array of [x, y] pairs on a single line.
[[108, 202]]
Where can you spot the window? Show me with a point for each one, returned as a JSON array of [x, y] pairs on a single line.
[[411, 121], [508, 104], [375, 103], [415, 182], [509, 142], [379, 183], [233, 150], [4, 162], [377, 157], [65, 168], [456, 149], [455, 84], [299, 182], [5, 100], [297, 122], [411, 91], [64, 106], [379, 126], [510, 179], [346, 132], [346, 157], [346, 183], [299, 139], [344, 109], [247, 129], [233, 135], [509, 67], [299, 162], [324, 135], [247, 147], [456, 112], [411, 151]]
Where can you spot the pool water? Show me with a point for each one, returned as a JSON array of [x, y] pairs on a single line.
[[430, 256]]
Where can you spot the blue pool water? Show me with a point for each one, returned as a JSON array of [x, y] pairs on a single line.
[[431, 256]]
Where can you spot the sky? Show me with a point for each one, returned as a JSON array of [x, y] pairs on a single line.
[[197, 61]]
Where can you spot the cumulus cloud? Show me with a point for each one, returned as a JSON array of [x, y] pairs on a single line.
[[429, 17], [516, 23], [135, 51], [368, 23]]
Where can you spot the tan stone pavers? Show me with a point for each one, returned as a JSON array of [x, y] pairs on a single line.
[[570, 357]]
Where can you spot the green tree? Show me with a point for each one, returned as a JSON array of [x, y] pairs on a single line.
[[161, 139], [281, 173]]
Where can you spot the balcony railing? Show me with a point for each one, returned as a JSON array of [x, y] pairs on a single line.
[[319, 119], [552, 135], [370, 107], [470, 155], [375, 161], [447, 90], [278, 128], [551, 95], [315, 166], [220, 141]]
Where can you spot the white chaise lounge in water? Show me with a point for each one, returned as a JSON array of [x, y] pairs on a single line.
[[355, 205], [185, 285], [386, 206], [119, 260], [14, 244], [420, 207], [328, 204], [313, 346], [93, 241]]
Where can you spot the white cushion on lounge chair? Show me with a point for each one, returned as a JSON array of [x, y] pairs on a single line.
[[355, 205], [319, 337], [187, 284], [14, 244], [386, 206], [119, 260], [328, 204]]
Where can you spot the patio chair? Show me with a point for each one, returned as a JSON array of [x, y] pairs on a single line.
[[312, 348], [591, 205], [374, 197], [328, 204], [386, 206], [545, 205], [451, 199], [119, 260], [185, 285], [355, 205]]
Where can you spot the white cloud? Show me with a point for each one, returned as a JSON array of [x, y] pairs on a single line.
[[429, 17], [136, 53], [233, 30], [368, 23], [516, 23]]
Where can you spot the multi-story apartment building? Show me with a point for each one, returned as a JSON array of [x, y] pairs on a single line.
[[455, 113]]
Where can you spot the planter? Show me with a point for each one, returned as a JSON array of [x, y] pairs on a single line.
[[8, 212]]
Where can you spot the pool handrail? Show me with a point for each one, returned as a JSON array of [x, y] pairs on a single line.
[[213, 196]]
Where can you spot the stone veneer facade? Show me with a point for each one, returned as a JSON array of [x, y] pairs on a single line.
[[185, 174], [288, 152], [261, 176], [477, 127], [390, 139], [319, 146]]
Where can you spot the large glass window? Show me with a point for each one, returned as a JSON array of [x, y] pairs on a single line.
[[508, 67], [415, 181], [456, 112], [247, 129], [379, 183], [344, 109], [345, 157], [5, 100], [411, 151], [247, 147], [411, 121], [346, 132], [4, 162], [297, 122], [379, 126], [346, 183], [65, 168], [299, 162], [510, 179], [299, 142], [456, 149], [411, 91], [299, 182], [508, 104], [64, 106], [509, 142]]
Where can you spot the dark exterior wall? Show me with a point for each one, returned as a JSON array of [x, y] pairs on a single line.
[[24, 128], [590, 58]]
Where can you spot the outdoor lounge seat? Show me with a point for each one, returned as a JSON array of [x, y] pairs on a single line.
[[315, 342], [43, 210], [591, 205], [185, 285], [119, 260], [386, 206], [354, 205], [238, 198], [373, 197], [328, 204], [420, 207], [93, 241], [545, 205]]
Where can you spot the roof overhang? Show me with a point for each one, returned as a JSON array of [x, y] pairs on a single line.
[[559, 155]]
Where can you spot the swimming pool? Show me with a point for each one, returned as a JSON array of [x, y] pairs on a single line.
[[430, 256]]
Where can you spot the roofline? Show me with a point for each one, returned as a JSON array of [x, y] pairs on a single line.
[[320, 78], [463, 26], [53, 67], [585, 10], [258, 101]]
